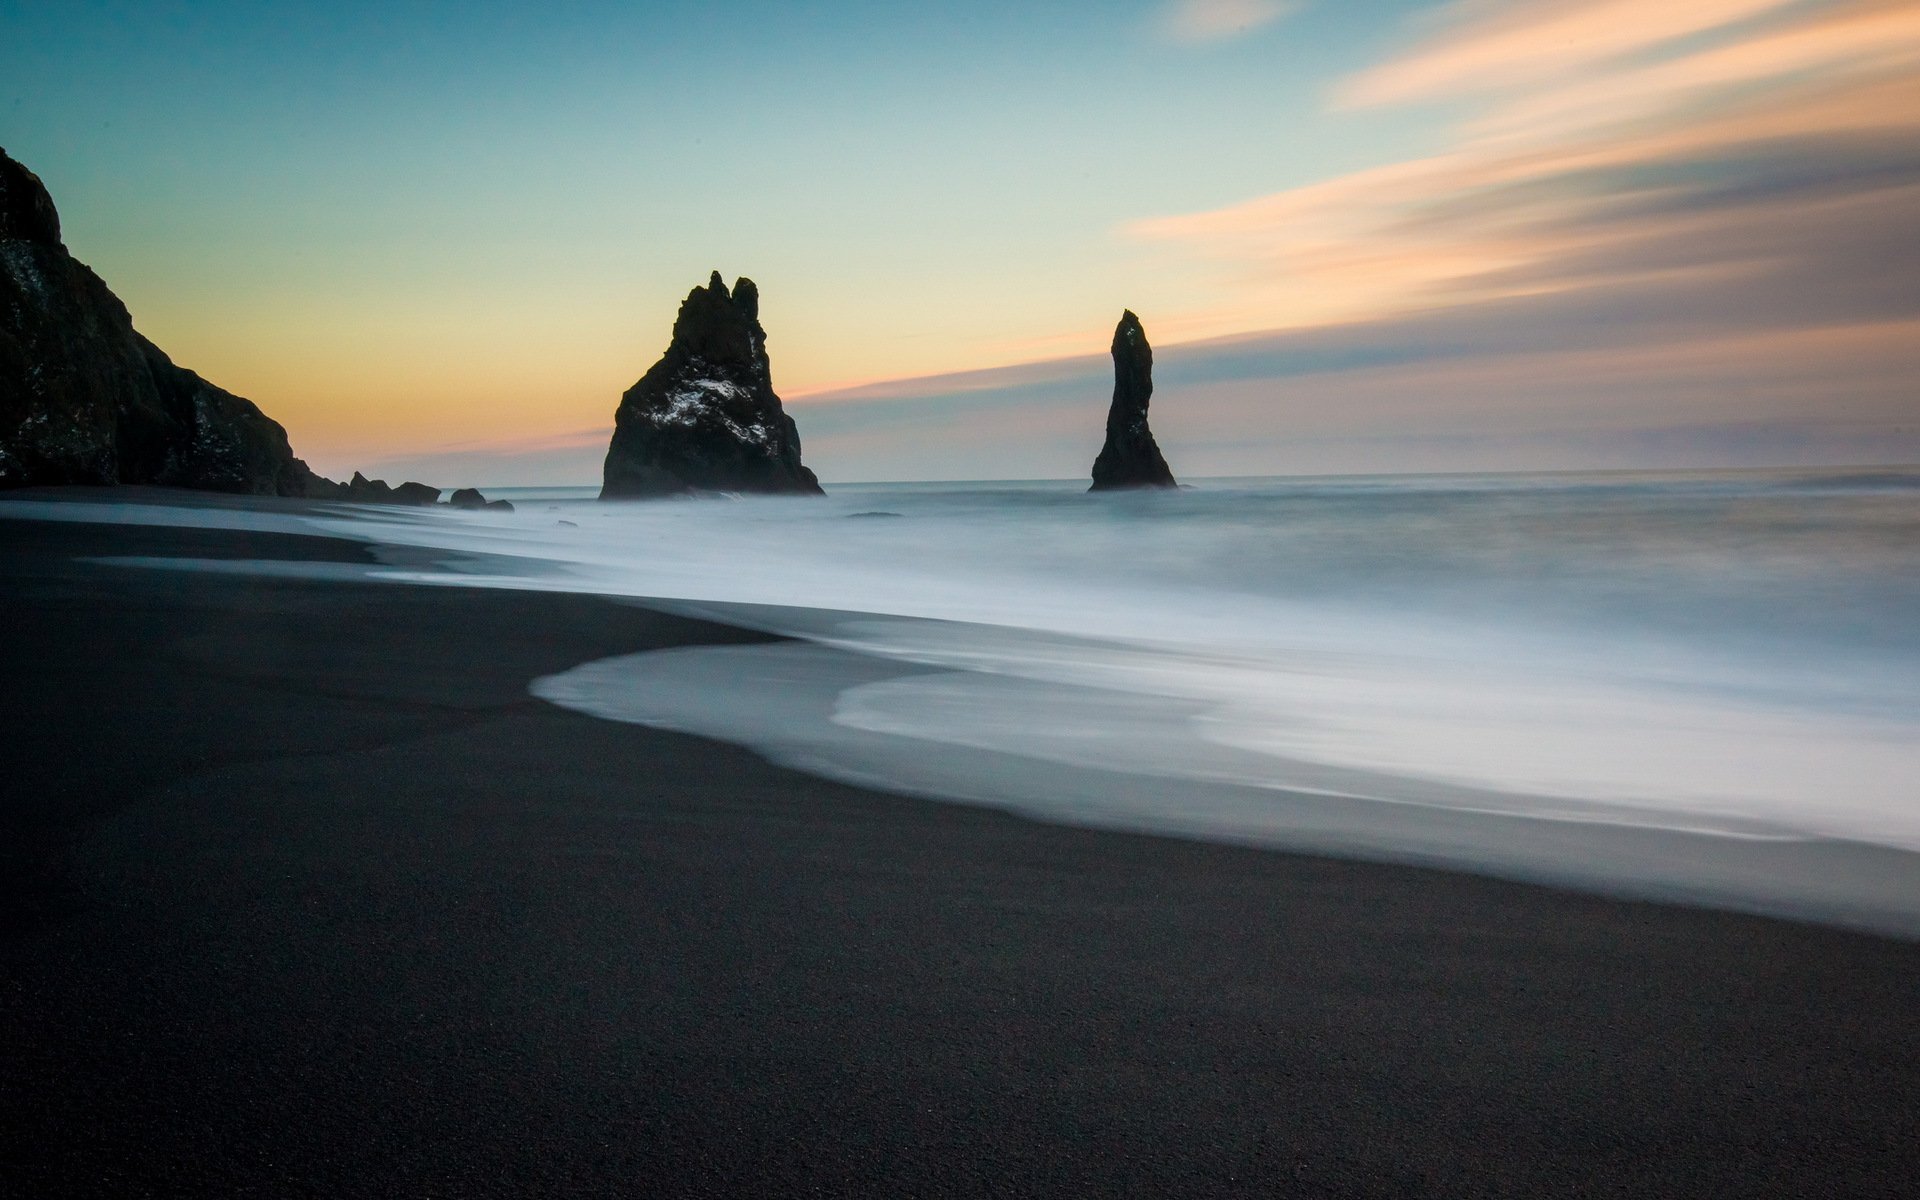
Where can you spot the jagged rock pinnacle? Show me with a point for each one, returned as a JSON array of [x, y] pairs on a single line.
[[705, 417], [1130, 458]]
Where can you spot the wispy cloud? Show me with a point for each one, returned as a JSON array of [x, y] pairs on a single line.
[[1660, 174], [1480, 46], [1216, 20], [1496, 387]]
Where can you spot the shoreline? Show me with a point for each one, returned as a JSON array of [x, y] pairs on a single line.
[[722, 693], [786, 699], [307, 894]]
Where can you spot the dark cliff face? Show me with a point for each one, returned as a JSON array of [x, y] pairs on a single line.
[[1130, 457], [85, 399], [705, 417]]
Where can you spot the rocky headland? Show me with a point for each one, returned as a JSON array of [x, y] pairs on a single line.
[[85, 399], [1130, 458], [705, 417]]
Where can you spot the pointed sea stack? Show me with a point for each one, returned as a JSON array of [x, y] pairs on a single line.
[[84, 399], [1130, 459], [705, 418]]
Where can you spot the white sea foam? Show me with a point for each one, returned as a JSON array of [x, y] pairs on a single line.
[[1735, 654]]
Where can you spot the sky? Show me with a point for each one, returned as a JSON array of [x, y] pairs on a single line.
[[438, 241]]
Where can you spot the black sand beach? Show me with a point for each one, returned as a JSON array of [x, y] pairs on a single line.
[[301, 893]]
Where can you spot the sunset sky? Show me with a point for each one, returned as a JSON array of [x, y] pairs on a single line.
[[439, 240]]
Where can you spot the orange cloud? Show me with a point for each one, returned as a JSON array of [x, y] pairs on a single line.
[[1560, 177], [1850, 42], [1486, 46]]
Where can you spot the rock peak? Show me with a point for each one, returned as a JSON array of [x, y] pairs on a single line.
[[721, 327], [1130, 458], [27, 213], [705, 418]]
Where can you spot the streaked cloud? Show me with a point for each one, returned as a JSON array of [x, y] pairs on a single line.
[[1661, 175], [1582, 384], [1216, 20], [1478, 45]]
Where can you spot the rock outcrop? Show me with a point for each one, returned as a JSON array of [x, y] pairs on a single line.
[[1130, 458], [470, 498], [361, 490], [705, 417], [85, 399]]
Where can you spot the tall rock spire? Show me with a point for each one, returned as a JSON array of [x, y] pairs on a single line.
[[1130, 458], [705, 417]]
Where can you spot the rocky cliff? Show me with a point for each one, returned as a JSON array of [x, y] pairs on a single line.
[[705, 417], [1130, 457], [85, 399]]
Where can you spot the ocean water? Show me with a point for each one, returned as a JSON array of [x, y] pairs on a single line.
[[1704, 685]]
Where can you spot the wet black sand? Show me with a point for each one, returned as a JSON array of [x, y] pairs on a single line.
[[302, 894]]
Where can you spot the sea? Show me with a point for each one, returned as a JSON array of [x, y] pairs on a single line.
[[1702, 686]]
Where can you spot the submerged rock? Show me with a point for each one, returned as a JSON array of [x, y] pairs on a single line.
[[85, 399], [1130, 458], [705, 417]]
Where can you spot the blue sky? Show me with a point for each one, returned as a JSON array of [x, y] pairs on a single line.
[[1390, 236]]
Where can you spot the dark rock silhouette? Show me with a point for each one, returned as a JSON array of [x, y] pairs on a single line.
[[361, 490], [367, 491], [471, 498], [705, 417], [1130, 458], [84, 399]]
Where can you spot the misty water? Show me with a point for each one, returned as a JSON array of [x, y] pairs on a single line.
[[1703, 685]]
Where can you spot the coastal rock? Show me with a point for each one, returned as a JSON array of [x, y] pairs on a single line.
[[470, 498], [417, 494], [705, 417], [85, 399], [1130, 458], [361, 490]]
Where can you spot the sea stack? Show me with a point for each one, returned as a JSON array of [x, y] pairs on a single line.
[[84, 399], [705, 417], [1130, 459]]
